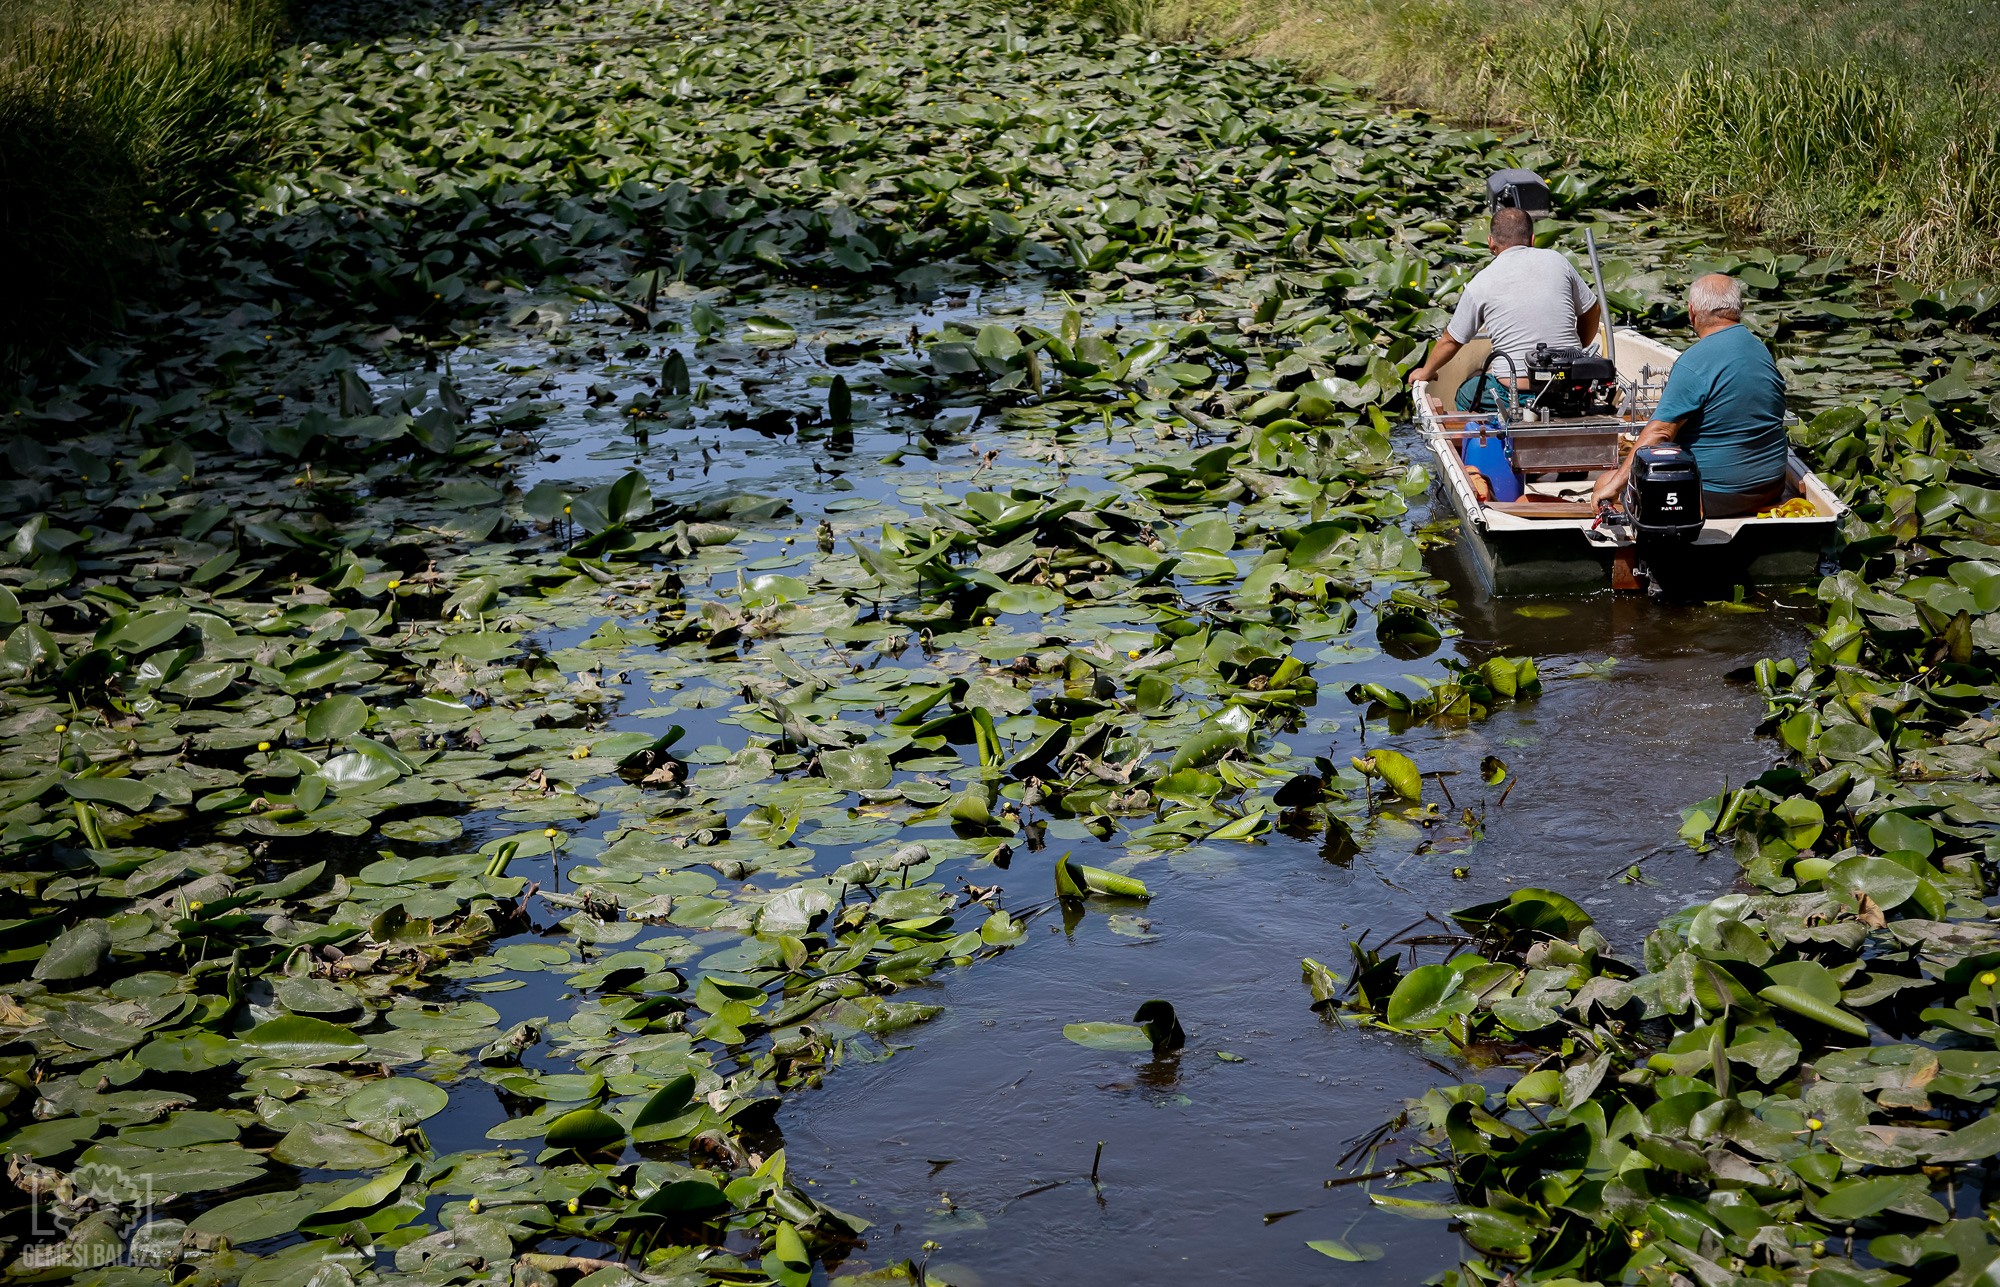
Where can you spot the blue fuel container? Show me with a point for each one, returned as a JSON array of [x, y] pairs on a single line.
[[1492, 454]]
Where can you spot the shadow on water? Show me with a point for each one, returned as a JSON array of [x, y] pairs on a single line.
[[336, 22], [980, 1136]]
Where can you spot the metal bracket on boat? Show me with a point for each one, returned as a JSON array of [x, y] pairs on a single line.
[[1612, 530]]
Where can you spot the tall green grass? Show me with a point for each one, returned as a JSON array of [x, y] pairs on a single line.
[[1866, 128], [112, 113]]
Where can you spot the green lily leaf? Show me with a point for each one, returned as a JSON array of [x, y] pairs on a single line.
[[396, 1098], [1108, 1036], [1341, 1249], [1399, 771], [1429, 996], [302, 1040], [337, 717], [1074, 880], [370, 1193], [76, 953], [127, 793], [768, 330], [585, 1130]]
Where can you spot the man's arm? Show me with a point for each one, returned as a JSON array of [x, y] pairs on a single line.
[[1590, 311], [1465, 320], [1589, 323], [1611, 483], [1442, 352]]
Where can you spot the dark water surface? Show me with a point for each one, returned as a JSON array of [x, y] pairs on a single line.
[[957, 1139]]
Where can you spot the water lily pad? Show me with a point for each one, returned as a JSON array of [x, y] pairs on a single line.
[[181, 1129], [368, 1193], [860, 768], [768, 330], [1899, 831], [76, 952], [1887, 884], [335, 1148], [356, 773], [256, 1217], [127, 793], [397, 1098], [301, 1039], [584, 1130], [197, 1168], [336, 718], [1399, 771], [51, 1138], [429, 829], [1429, 996], [1075, 880], [1108, 1036], [1029, 600], [667, 1103]]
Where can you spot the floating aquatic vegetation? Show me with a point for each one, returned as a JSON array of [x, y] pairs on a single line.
[[1154, 1028]]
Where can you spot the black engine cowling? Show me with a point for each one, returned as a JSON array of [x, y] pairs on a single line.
[[1663, 495], [1522, 189]]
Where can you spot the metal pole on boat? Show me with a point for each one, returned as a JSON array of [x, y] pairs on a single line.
[[1603, 302]]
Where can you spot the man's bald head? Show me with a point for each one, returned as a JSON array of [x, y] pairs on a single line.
[[1715, 295], [1512, 226]]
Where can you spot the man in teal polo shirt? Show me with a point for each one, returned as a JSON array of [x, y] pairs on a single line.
[[1725, 402]]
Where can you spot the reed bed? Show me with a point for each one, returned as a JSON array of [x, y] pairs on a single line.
[[1864, 128], [113, 115]]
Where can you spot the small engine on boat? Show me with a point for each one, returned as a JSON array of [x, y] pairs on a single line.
[[1663, 495], [1522, 189], [1572, 381]]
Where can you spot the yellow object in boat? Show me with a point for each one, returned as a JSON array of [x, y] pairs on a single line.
[[1796, 507]]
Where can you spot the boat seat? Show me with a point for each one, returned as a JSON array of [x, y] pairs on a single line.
[[1544, 509]]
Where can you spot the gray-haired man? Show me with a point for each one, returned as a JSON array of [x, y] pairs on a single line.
[[1725, 402]]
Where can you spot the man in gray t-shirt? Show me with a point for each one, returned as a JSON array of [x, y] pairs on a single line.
[[1526, 296]]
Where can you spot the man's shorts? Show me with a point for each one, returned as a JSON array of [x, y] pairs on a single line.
[[1496, 396], [1741, 504]]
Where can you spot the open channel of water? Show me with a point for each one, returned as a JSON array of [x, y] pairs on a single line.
[[980, 1132], [981, 1136]]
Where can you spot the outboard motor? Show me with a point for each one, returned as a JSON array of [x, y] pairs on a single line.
[[1522, 189], [1663, 495]]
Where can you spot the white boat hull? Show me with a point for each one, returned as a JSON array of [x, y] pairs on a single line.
[[1550, 543]]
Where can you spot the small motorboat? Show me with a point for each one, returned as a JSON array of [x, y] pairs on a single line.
[[1519, 478]]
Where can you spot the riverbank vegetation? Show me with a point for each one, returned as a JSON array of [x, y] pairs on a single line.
[[114, 114], [1868, 128]]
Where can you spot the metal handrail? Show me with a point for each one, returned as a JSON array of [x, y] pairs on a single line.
[[1605, 324]]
